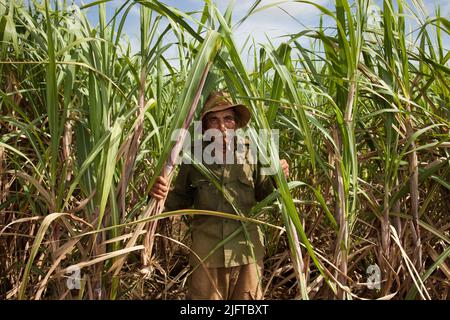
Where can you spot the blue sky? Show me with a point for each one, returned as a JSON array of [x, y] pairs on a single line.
[[272, 22]]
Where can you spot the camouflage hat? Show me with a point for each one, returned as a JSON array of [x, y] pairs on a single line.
[[221, 100]]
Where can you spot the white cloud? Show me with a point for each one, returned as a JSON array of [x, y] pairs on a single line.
[[274, 22], [431, 5], [294, 8], [271, 21]]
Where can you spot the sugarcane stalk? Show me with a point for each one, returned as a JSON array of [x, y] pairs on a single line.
[[166, 164], [169, 170]]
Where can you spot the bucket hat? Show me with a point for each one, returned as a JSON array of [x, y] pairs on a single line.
[[221, 100]]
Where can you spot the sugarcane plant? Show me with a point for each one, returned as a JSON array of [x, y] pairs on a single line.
[[87, 124]]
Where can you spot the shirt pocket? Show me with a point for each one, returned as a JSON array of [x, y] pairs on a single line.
[[246, 180], [205, 194], [245, 191]]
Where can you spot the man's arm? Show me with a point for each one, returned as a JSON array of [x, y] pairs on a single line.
[[265, 183], [181, 196]]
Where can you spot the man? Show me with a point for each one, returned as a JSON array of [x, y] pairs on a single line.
[[229, 268]]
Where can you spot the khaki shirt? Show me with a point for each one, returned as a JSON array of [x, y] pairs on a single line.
[[193, 190]]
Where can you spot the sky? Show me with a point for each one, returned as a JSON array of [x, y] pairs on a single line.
[[272, 22]]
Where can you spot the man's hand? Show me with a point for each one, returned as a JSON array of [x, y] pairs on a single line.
[[285, 167], [160, 188]]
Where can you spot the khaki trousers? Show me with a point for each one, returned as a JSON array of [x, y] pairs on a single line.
[[235, 283]]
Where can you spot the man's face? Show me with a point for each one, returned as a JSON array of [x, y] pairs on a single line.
[[222, 120]]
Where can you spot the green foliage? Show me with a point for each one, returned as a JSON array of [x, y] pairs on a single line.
[[85, 129]]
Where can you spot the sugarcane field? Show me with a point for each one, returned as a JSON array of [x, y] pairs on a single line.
[[224, 150]]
